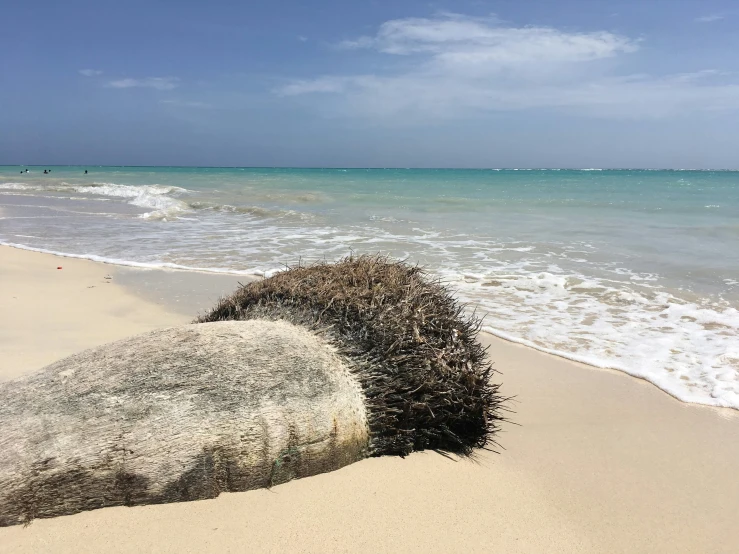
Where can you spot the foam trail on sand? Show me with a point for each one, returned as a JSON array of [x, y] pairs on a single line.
[[129, 263], [687, 348]]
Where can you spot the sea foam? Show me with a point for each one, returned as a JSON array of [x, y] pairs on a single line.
[[159, 198], [685, 348], [629, 270]]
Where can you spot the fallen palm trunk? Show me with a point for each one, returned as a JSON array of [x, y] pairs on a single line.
[[305, 372], [178, 414]]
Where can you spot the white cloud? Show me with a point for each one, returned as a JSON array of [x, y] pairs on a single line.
[[452, 64], [321, 84], [158, 83], [455, 39], [90, 72], [187, 104], [302, 38], [709, 18], [632, 96]]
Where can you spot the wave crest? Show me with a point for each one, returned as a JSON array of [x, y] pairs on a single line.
[[159, 198]]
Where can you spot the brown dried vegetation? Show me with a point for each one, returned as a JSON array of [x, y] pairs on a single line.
[[425, 376]]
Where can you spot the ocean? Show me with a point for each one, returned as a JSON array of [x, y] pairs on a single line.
[[634, 270]]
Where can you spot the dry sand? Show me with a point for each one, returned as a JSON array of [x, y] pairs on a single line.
[[49, 313], [601, 462]]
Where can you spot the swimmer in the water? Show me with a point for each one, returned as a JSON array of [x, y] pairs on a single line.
[[85, 172]]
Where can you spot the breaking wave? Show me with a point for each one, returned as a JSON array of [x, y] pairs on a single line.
[[164, 201]]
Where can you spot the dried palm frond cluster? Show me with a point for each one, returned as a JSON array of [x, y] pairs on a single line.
[[425, 376]]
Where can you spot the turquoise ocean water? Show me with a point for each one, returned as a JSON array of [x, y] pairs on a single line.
[[634, 270]]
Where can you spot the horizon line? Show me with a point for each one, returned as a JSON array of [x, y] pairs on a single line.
[[380, 167]]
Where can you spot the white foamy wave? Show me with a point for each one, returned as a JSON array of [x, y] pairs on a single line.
[[142, 265], [124, 191], [386, 219], [160, 198], [686, 349], [256, 211], [15, 186], [156, 197], [163, 206]]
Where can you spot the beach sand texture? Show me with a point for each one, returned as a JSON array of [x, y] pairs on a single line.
[[600, 462]]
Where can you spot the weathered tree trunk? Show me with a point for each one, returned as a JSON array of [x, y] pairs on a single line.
[[174, 415]]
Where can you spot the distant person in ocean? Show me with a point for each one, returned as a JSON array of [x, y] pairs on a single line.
[[45, 172], [85, 172]]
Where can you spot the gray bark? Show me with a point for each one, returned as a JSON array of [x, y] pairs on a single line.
[[174, 415]]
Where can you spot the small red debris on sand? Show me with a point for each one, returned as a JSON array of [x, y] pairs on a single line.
[[59, 267]]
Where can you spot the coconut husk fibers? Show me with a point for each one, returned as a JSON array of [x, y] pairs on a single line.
[[177, 414], [425, 377]]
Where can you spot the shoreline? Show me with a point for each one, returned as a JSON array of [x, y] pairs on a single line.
[[134, 273], [599, 462]]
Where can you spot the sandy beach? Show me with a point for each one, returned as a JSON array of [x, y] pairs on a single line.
[[598, 461]]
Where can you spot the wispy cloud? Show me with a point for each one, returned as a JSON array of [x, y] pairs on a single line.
[[451, 64], [302, 38], [90, 72], [321, 84], [187, 104], [709, 18], [158, 83], [453, 39]]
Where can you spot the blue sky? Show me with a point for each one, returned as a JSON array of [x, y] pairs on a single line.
[[524, 83]]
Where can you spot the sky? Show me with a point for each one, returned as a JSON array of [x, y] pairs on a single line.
[[403, 83]]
